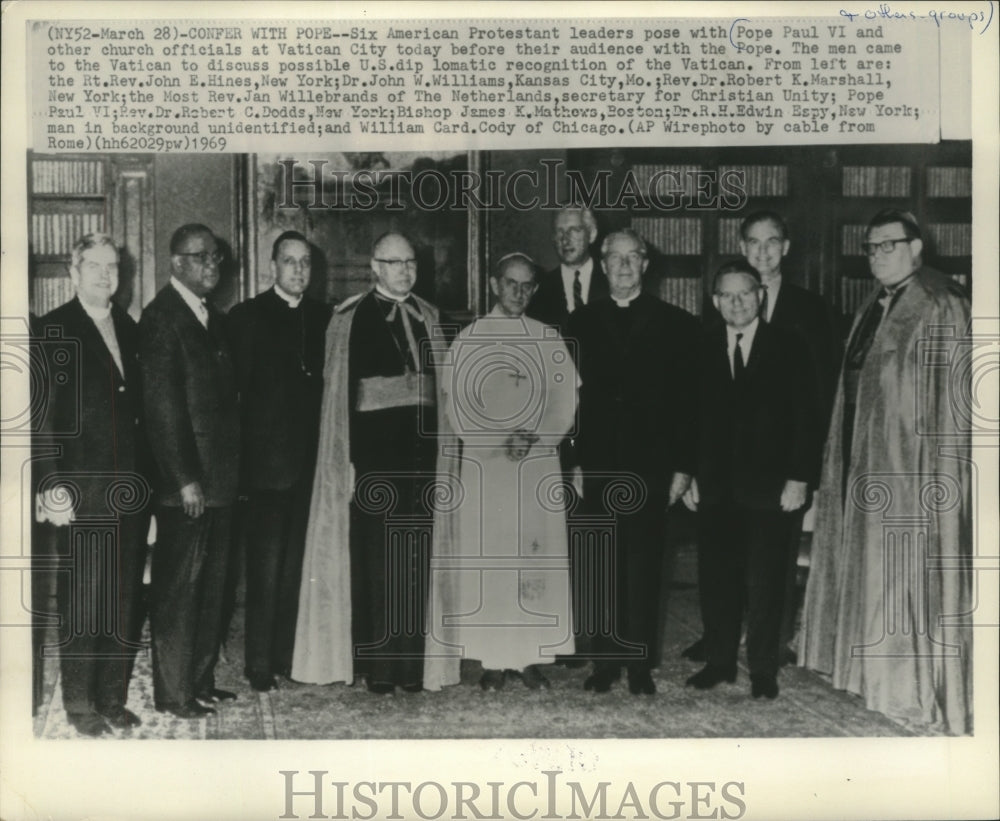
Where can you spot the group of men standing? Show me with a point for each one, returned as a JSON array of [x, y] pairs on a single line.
[[416, 497]]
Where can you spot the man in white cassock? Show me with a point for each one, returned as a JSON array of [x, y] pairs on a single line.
[[510, 391]]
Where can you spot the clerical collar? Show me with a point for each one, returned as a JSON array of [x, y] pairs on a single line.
[[195, 302], [96, 314], [624, 303], [384, 293], [293, 301]]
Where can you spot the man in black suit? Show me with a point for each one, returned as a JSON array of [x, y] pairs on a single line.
[[92, 487], [764, 242], [278, 342], [578, 280], [637, 379], [757, 456], [190, 399]]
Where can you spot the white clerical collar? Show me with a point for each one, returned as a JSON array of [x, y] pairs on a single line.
[[195, 302], [293, 301], [383, 292], [624, 303], [96, 314]]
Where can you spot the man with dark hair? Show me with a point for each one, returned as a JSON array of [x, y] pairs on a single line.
[[881, 616], [757, 455], [634, 439], [277, 340], [92, 486], [362, 604], [191, 406]]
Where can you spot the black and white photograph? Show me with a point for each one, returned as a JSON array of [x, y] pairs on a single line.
[[540, 415]]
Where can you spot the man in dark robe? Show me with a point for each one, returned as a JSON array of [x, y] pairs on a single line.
[[889, 595], [365, 579], [278, 340], [92, 486], [634, 437]]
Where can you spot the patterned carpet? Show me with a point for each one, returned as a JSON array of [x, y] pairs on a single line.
[[807, 706]]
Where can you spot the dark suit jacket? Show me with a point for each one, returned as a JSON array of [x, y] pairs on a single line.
[[811, 317], [278, 352], [637, 391], [189, 395], [759, 432], [548, 305], [92, 410]]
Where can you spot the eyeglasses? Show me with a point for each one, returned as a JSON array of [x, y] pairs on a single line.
[[574, 231], [742, 296], [886, 246], [203, 257], [770, 244], [633, 258], [518, 287], [397, 265]]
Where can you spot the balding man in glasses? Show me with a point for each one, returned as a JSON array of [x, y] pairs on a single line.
[[193, 423], [365, 572]]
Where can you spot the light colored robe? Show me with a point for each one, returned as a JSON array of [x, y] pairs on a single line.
[[323, 645], [888, 600], [508, 601]]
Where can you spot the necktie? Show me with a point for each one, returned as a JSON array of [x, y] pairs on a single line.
[[738, 364], [202, 314], [577, 291], [763, 306]]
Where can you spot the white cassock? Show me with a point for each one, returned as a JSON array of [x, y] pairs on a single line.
[[509, 605]]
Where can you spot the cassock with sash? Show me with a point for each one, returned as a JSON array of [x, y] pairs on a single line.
[[511, 606], [362, 602], [889, 593]]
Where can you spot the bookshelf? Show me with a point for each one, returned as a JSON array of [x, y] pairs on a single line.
[[73, 195], [826, 194]]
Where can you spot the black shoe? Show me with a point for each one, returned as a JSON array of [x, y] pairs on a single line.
[[492, 680], [412, 688], [262, 684], [190, 710], [285, 671], [120, 717], [763, 684], [640, 682], [214, 695], [91, 725], [709, 676], [602, 678], [696, 652], [571, 662], [380, 688], [533, 678]]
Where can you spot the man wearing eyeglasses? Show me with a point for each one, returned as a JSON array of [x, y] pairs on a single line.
[[890, 579], [636, 369], [756, 458], [278, 342], [192, 412], [510, 394], [372, 522]]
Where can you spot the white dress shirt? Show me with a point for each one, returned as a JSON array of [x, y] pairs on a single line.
[[194, 302], [568, 274], [746, 342]]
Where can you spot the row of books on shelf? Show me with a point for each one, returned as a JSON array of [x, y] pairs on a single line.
[[48, 293], [946, 239], [54, 234], [761, 180], [949, 182], [877, 181], [672, 180], [67, 177], [684, 292], [677, 236]]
